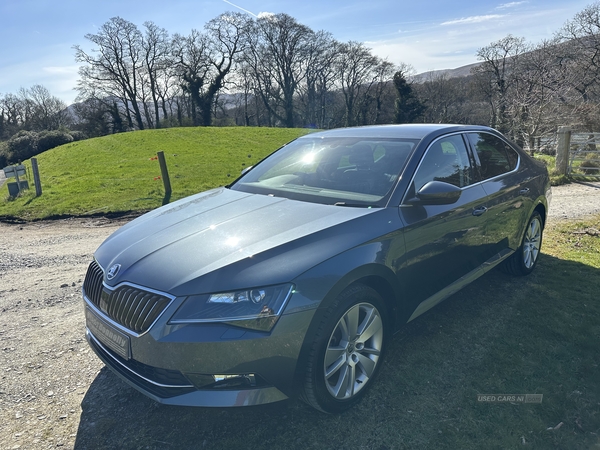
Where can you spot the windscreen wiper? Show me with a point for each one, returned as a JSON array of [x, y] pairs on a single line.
[[353, 205]]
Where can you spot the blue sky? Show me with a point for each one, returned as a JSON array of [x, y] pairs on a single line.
[[37, 36]]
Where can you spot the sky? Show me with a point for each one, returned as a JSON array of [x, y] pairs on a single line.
[[37, 36]]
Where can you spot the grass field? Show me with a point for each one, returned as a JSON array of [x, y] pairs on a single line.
[[117, 173]]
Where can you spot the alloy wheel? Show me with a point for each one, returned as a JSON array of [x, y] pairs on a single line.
[[353, 351], [532, 243]]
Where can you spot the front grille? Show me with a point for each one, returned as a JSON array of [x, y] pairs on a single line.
[[92, 285], [131, 307]]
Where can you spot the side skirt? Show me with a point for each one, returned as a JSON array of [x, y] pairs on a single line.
[[442, 295]]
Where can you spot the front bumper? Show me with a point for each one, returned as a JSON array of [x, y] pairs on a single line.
[[177, 365]]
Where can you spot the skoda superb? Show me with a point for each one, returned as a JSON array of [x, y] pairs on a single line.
[[292, 280]]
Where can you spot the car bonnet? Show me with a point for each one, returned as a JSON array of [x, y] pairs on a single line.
[[176, 244]]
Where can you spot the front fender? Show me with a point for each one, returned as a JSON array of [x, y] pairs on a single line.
[[321, 285], [324, 282]]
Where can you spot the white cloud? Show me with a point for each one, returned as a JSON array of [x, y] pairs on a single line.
[[61, 70], [61, 81], [455, 44], [426, 54], [268, 15], [58, 79], [510, 5], [473, 19]]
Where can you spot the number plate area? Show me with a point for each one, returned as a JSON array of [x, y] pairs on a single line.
[[108, 335]]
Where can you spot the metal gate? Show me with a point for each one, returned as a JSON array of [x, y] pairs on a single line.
[[584, 155]]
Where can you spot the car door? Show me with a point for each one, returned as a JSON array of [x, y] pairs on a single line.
[[501, 175], [445, 243]]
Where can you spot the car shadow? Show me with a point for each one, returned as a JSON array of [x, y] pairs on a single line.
[[114, 415], [592, 184], [430, 378]]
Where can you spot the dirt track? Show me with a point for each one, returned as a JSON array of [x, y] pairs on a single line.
[[575, 200], [53, 391]]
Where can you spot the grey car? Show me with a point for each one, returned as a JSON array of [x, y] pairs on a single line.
[[292, 280]]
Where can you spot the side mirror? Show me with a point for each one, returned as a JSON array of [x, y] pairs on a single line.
[[437, 193]]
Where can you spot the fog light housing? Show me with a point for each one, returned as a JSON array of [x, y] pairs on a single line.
[[229, 381], [248, 379]]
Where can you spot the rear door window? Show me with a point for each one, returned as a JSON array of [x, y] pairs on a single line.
[[496, 157]]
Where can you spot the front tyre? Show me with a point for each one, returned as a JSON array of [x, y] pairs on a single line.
[[347, 351], [524, 260]]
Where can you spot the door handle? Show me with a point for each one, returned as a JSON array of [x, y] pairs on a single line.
[[524, 191], [479, 211]]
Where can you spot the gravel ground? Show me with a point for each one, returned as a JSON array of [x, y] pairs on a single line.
[[53, 391], [575, 200]]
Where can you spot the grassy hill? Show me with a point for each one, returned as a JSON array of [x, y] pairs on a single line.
[[119, 173]]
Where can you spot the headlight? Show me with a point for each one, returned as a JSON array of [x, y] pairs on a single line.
[[257, 308]]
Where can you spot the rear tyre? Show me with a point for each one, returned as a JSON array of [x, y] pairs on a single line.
[[347, 350], [524, 260]]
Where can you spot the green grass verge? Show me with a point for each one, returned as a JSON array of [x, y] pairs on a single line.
[[116, 174], [557, 179]]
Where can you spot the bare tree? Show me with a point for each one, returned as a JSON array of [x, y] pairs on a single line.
[[384, 72], [582, 34], [48, 112], [204, 60], [227, 34], [497, 75], [319, 79], [15, 113], [115, 67], [32, 109], [191, 53], [579, 59], [355, 66], [93, 117], [439, 97], [156, 46], [537, 99], [277, 56]]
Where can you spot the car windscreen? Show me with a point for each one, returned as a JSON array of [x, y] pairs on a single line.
[[344, 171]]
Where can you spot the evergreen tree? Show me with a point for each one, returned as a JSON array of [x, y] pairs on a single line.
[[408, 106], [117, 121]]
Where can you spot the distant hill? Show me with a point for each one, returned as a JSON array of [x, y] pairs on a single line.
[[463, 71]]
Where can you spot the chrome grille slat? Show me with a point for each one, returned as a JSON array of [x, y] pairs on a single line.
[[133, 300], [139, 307], [93, 282], [136, 299], [143, 314], [131, 307], [121, 305], [152, 315], [126, 299], [114, 306]]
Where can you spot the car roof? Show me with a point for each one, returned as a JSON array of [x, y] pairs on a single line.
[[406, 131]]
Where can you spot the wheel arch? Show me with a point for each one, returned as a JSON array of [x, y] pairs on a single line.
[[378, 277], [543, 210]]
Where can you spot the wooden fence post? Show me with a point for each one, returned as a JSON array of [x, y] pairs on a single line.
[[36, 177], [165, 176], [562, 150]]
